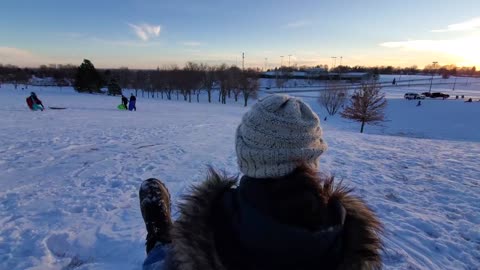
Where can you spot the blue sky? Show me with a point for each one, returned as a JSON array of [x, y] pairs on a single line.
[[147, 33]]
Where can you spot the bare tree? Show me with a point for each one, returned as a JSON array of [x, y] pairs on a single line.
[[209, 81], [234, 76], [172, 77], [192, 80], [249, 84], [159, 81], [280, 79], [223, 79], [333, 97], [140, 81], [367, 106], [124, 77]]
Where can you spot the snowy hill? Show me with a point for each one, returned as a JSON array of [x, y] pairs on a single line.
[[70, 178]]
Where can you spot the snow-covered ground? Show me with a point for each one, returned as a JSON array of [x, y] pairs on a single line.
[[70, 178], [451, 119]]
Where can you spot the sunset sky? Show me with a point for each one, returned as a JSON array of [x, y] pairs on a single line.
[[148, 33]]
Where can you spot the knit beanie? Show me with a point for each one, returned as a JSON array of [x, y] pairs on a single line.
[[276, 135]]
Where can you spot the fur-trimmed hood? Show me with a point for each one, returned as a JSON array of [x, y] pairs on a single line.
[[195, 243]]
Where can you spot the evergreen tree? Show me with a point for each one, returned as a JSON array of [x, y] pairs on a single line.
[[114, 89], [87, 78]]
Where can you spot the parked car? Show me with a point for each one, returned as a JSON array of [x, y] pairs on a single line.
[[410, 96], [436, 95], [439, 95]]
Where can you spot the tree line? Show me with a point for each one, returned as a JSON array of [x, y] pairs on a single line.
[[65, 74], [173, 82], [170, 82], [444, 70]]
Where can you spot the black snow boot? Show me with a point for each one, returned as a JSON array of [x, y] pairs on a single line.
[[155, 207]]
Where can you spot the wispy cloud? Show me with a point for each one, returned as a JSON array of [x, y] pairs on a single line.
[[11, 52], [192, 43], [297, 24], [444, 45], [125, 43], [82, 37], [471, 24], [145, 31], [22, 57], [464, 49]]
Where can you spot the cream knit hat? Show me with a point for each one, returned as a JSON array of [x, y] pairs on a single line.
[[278, 134]]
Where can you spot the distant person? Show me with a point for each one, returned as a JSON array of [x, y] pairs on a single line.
[[34, 103], [125, 101], [469, 100], [394, 81], [325, 119], [419, 103], [280, 215], [132, 103]]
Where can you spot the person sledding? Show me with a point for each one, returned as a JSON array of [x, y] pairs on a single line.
[[132, 103], [280, 215], [34, 103], [125, 101], [124, 105]]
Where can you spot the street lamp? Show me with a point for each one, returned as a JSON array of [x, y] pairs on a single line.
[[433, 73], [289, 59], [334, 61], [281, 60]]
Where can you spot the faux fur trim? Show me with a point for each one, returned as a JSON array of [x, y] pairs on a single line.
[[362, 243], [193, 245]]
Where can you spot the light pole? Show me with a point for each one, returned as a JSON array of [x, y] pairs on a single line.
[[340, 71], [334, 58], [243, 60], [433, 73], [281, 60], [289, 59], [266, 66]]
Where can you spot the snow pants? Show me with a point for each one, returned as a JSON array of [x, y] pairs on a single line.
[[156, 258], [131, 106]]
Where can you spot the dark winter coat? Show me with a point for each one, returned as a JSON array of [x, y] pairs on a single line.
[[256, 226], [124, 100], [133, 98], [33, 100]]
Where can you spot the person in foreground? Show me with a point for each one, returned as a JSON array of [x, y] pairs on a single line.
[[280, 215]]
